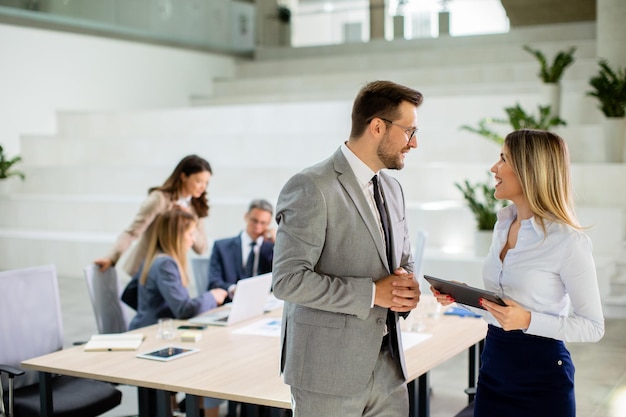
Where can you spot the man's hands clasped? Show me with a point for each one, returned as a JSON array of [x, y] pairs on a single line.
[[399, 292]]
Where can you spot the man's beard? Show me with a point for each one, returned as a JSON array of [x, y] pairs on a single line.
[[390, 158]]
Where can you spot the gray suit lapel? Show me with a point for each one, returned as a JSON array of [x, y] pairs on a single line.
[[348, 180], [392, 199], [235, 247]]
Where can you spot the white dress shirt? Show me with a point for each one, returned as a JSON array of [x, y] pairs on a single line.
[[364, 176], [246, 240], [552, 275], [184, 202]]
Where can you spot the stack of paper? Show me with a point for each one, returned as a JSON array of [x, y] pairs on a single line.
[[116, 341]]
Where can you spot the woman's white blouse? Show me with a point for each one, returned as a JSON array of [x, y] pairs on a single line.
[[552, 275]]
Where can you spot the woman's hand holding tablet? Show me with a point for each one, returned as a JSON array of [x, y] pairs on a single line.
[[463, 294]]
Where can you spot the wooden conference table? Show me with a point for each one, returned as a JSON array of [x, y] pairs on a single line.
[[239, 367]]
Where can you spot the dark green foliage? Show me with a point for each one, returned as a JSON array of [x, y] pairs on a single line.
[[552, 73], [517, 119], [6, 164], [480, 199], [609, 87]]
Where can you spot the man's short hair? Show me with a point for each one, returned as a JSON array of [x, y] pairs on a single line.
[[261, 204], [380, 99]]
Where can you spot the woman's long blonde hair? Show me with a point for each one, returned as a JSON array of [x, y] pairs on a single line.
[[167, 237], [540, 160]]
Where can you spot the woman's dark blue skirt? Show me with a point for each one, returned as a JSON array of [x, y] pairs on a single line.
[[524, 375]]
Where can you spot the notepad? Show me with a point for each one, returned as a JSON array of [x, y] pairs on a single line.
[[114, 342], [191, 336]]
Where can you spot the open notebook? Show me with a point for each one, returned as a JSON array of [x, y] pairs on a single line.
[[114, 341], [249, 301]]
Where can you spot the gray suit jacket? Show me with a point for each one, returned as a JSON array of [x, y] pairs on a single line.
[[328, 252]]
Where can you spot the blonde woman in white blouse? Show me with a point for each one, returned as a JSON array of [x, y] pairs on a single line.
[[541, 264]]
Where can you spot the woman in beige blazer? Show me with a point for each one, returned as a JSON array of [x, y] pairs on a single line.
[[186, 188]]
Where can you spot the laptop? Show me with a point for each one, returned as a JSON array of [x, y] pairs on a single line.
[[249, 301]]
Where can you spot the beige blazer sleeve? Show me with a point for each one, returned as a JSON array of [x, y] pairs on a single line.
[[157, 202], [200, 241]]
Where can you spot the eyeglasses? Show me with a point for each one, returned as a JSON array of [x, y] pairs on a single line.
[[409, 131]]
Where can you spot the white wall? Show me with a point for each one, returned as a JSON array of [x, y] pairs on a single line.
[[44, 71]]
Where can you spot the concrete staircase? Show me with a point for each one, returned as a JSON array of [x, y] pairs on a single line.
[[289, 109]]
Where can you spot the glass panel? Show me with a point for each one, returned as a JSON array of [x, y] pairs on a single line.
[[216, 25]]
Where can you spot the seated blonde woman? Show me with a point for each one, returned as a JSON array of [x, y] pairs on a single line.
[[163, 279]]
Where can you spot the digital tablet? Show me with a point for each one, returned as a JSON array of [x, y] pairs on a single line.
[[463, 294], [167, 353]]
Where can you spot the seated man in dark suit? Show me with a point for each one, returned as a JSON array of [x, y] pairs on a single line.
[[248, 254]]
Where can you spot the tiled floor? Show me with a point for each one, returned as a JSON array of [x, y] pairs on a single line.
[[600, 367]]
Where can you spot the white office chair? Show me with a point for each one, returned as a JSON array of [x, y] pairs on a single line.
[[200, 268], [30, 326], [418, 259], [112, 315]]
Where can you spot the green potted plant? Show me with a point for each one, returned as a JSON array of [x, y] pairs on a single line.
[[481, 201], [551, 74], [6, 165], [7, 171], [517, 118], [609, 88]]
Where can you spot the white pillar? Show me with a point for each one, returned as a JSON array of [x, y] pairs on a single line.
[[377, 19], [444, 23], [270, 30], [611, 31], [398, 26]]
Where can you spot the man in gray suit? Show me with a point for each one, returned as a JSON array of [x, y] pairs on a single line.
[[343, 265]]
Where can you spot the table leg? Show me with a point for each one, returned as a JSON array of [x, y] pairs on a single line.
[[471, 383], [250, 410], [475, 352], [192, 408], [163, 403], [45, 394], [146, 401], [419, 396], [154, 402], [279, 412]]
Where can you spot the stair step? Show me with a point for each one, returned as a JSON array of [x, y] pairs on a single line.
[[615, 307]]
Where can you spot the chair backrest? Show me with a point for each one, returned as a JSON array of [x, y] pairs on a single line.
[[112, 316], [30, 317], [418, 259], [200, 268]]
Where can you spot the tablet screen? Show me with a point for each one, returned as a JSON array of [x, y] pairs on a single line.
[[167, 353], [463, 294]]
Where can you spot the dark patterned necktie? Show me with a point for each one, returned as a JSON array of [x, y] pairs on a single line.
[[249, 268], [384, 220], [382, 211]]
